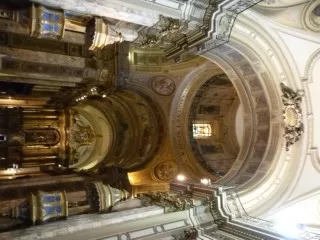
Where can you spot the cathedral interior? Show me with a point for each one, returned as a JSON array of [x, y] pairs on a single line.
[[159, 119]]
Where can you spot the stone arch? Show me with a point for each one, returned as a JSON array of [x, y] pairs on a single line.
[[269, 57]]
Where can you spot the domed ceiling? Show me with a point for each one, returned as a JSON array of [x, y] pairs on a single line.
[[212, 125]]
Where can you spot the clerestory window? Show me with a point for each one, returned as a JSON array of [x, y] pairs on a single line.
[[201, 130]]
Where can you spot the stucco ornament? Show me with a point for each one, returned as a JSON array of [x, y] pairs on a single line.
[[163, 85], [81, 137], [166, 170], [292, 114]]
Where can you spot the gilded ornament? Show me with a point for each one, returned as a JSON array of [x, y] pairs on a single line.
[[166, 170]]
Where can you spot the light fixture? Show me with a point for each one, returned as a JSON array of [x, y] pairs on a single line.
[[181, 177]]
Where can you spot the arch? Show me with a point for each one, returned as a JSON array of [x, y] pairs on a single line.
[[269, 57]]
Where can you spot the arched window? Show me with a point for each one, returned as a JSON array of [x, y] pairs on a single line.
[[201, 130]]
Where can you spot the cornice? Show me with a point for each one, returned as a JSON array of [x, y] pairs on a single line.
[[204, 26]]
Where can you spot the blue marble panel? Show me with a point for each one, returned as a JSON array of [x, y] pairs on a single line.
[[47, 15], [46, 27], [52, 210], [56, 17], [56, 28], [51, 198]]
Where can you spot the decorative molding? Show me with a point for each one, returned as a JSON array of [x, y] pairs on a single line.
[[309, 18], [81, 137], [14, 65], [281, 3], [190, 234], [292, 115], [165, 27], [15, 40], [170, 201], [213, 28], [313, 151], [166, 171], [268, 191], [163, 85]]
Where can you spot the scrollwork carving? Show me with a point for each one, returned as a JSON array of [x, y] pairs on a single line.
[[292, 114], [168, 25], [190, 234], [149, 41], [81, 135], [171, 202], [165, 26]]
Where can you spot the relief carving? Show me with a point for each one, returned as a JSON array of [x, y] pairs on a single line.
[[263, 118], [190, 234], [165, 26], [81, 136], [166, 170], [170, 201], [254, 84], [168, 25], [263, 136], [163, 85], [292, 114], [261, 101]]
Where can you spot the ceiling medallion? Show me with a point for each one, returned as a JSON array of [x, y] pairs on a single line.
[[292, 114], [163, 85], [165, 171]]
